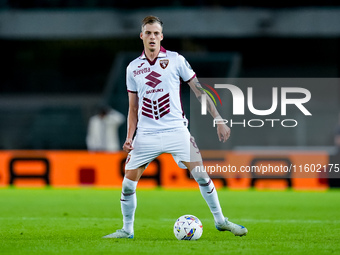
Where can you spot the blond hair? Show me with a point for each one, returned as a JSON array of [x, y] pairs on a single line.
[[151, 20]]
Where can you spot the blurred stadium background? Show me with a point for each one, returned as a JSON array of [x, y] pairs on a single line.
[[63, 58]]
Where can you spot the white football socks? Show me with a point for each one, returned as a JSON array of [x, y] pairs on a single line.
[[209, 193], [128, 202]]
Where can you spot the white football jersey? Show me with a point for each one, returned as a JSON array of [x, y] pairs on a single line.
[[157, 85]]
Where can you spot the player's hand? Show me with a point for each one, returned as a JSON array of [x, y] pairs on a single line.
[[128, 145], [223, 132]]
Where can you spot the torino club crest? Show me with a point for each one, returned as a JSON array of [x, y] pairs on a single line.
[[164, 63]]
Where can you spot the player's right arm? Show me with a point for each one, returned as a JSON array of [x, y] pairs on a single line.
[[132, 120], [223, 131]]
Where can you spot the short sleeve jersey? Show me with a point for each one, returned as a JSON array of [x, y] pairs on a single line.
[[157, 85]]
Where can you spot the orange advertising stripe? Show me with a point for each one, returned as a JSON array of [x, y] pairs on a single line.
[[77, 168]]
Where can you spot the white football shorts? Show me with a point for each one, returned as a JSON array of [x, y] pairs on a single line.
[[149, 145]]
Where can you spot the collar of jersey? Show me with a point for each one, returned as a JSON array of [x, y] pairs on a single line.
[[161, 54]]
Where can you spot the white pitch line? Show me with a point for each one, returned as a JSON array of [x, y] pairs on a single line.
[[58, 218], [289, 221], [276, 221], [171, 220]]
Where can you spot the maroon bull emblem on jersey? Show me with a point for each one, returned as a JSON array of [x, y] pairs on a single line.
[[164, 63]]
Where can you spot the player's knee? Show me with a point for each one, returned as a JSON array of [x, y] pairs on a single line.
[[128, 186], [202, 178], [203, 181]]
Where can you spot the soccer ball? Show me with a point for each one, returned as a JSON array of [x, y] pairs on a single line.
[[188, 227]]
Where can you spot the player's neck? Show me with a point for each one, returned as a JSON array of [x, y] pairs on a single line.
[[151, 55]]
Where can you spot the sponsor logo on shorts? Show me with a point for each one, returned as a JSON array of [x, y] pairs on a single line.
[[128, 158]]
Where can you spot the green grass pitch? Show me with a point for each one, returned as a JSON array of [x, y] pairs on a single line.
[[73, 221]]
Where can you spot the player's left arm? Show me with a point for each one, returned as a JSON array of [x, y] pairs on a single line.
[[223, 131]]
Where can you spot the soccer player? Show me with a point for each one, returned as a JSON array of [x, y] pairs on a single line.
[[156, 115]]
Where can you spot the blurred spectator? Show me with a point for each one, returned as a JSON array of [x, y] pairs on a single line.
[[102, 133]]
